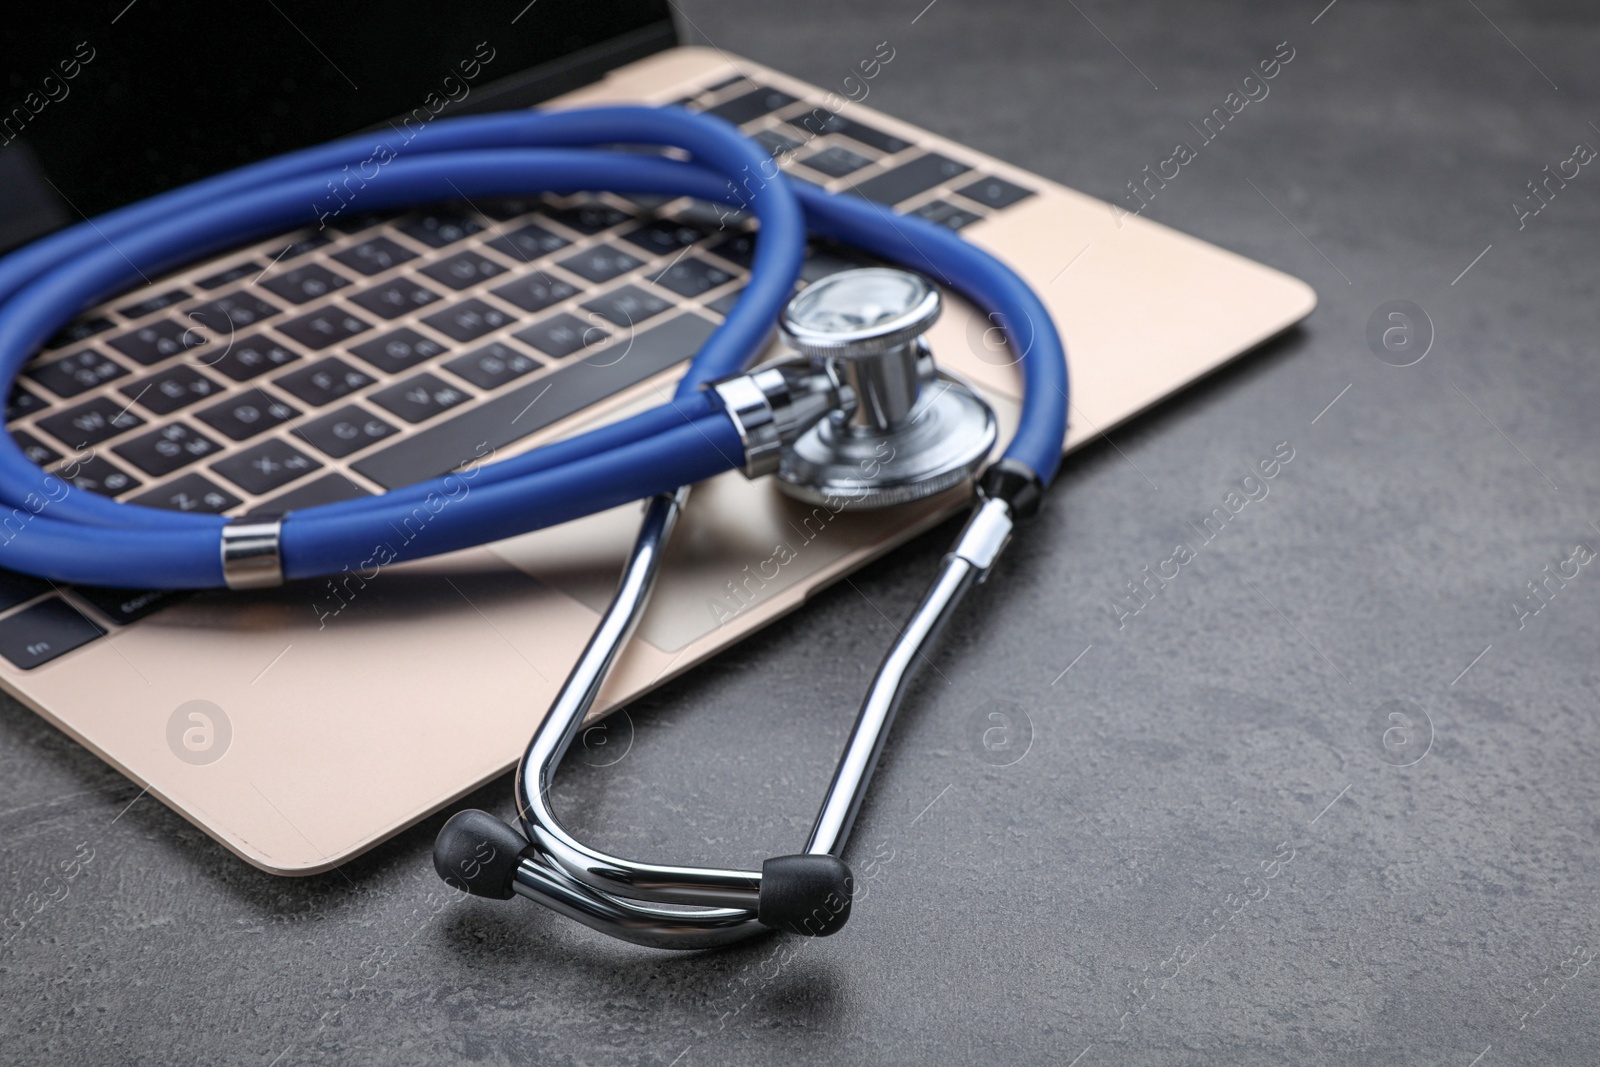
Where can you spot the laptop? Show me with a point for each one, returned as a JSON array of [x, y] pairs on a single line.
[[299, 726]]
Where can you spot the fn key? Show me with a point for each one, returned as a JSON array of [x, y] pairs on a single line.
[[41, 633]]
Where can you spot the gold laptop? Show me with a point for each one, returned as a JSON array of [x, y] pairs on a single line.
[[302, 725]]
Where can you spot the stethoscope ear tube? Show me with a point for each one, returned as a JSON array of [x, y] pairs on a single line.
[[809, 893]]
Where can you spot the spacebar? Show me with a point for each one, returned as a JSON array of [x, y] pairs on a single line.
[[511, 417]]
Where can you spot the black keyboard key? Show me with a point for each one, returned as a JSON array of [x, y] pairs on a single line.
[[737, 248], [124, 606], [535, 292], [90, 423], [691, 277], [78, 330], [192, 492], [528, 243], [323, 382], [152, 304], [532, 406], [355, 223], [507, 208], [23, 403], [492, 366], [323, 328], [751, 105], [341, 432], [590, 217], [248, 357], [247, 269], [835, 161], [158, 341], [469, 320], [304, 284], [37, 635], [397, 352], [38, 453], [16, 587], [328, 489], [227, 315], [247, 414], [775, 142], [627, 306], [909, 179], [645, 203], [821, 122], [395, 297], [374, 256], [996, 193], [724, 304], [166, 391], [301, 245], [463, 270], [160, 452], [601, 263], [420, 398], [262, 468], [98, 475], [440, 228], [563, 334], [827, 259], [947, 214], [74, 374], [663, 237]]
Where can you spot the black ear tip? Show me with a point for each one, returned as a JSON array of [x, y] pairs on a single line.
[[478, 853], [805, 894]]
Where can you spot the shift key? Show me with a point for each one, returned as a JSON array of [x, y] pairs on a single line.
[[547, 399]]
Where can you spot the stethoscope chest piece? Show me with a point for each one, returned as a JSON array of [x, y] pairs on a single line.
[[906, 431]]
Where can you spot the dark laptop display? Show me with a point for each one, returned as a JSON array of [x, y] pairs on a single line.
[[107, 102]]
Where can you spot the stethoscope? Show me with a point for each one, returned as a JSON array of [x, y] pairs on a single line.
[[861, 388]]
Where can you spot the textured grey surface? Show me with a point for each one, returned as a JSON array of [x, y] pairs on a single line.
[[1120, 894]]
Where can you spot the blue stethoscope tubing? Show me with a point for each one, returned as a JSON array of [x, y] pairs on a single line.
[[69, 535]]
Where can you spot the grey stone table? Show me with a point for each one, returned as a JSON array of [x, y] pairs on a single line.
[[1330, 796]]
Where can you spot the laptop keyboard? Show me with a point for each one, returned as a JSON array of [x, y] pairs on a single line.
[[386, 350]]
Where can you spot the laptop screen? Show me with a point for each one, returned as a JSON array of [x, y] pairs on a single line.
[[108, 101]]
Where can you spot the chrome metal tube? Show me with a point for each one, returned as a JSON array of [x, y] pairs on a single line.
[[703, 907], [654, 927], [600, 872], [981, 542], [858, 386]]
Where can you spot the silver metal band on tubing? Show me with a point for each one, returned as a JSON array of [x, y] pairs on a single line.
[[252, 552]]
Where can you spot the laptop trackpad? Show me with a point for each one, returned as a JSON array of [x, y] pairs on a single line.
[[739, 546]]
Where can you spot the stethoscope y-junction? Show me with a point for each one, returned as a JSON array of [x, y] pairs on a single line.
[[861, 386]]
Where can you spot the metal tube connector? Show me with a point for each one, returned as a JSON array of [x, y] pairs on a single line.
[[776, 403], [252, 552]]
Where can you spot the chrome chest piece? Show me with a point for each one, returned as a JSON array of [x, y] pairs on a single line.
[[910, 432], [861, 417]]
